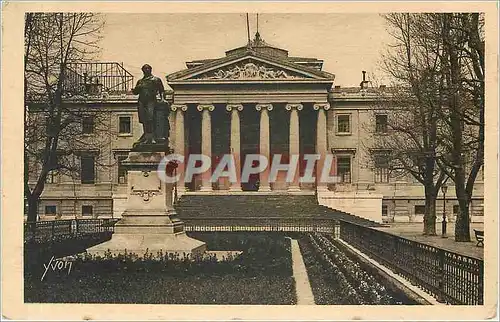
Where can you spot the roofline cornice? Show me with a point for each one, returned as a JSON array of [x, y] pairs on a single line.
[[256, 81]]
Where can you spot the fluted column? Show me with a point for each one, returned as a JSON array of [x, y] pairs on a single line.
[[180, 144], [235, 143], [206, 143], [321, 142], [264, 143], [294, 141]]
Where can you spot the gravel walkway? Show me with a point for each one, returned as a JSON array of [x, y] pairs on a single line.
[[302, 286]]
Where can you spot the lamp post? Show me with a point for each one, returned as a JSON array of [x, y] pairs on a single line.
[[444, 188]]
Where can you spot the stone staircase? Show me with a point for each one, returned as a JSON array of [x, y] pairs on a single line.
[[264, 206]]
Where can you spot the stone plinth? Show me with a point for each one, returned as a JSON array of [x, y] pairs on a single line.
[[364, 204], [149, 222]]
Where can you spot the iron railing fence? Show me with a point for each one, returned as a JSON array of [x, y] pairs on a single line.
[[58, 230], [450, 277], [42, 231], [259, 224]]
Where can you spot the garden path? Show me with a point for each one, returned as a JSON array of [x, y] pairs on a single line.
[[302, 286]]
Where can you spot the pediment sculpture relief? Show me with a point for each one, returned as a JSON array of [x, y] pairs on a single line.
[[248, 70]]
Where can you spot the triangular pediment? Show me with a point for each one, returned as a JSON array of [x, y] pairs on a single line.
[[249, 67]]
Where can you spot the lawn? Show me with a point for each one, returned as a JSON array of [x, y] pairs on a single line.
[[262, 274]]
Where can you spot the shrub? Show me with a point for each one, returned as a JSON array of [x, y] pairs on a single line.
[[261, 275]]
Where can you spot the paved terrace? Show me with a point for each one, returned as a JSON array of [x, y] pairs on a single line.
[[413, 231]]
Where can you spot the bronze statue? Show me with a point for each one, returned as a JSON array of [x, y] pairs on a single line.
[[147, 88]]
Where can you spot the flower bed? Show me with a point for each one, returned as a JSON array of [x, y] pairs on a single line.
[[341, 276], [323, 286], [254, 277]]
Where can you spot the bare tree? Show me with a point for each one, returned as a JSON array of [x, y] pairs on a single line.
[[463, 134], [409, 144], [438, 64], [57, 132]]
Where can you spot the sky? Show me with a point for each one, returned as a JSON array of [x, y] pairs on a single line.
[[348, 43]]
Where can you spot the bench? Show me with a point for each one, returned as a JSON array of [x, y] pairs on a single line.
[[480, 237]]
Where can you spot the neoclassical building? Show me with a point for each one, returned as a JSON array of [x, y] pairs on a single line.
[[256, 99]]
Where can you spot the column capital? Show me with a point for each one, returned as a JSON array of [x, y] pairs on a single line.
[[236, 107], [296, 106], [180, 107], [260, 107], [208, 107], [324, 106]]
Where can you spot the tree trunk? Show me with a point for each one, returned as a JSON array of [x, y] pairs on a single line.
[[430, 214], [457, 128], [33, 208], [462, 226], [34, 197]]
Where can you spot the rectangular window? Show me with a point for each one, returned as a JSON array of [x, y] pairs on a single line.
[[122, 171], [50, 210], [381, 160], [456, 209], [124, 125], [419, 210], [87, 210], [88, 125], [344, 169], [384, 210], [343, 124], [88, 169], [51, 177], [381, 123]]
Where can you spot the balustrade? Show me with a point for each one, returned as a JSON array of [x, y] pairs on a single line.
[[450, 277]]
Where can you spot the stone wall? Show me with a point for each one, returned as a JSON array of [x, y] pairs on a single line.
[[359, 203]]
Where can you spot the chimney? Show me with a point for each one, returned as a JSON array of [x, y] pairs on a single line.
[[364, 82]]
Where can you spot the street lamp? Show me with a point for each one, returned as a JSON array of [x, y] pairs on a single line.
[[444, 188]]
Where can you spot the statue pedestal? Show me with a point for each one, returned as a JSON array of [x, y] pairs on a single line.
[[149, 223]]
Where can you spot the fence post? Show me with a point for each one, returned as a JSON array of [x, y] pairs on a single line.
[[481, 284], [441, 277], [395, 254], [53, 223]]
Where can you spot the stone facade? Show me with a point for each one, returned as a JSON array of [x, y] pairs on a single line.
[[257, 100]]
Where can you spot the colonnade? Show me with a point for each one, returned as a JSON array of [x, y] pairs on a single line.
[[264, 143]]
